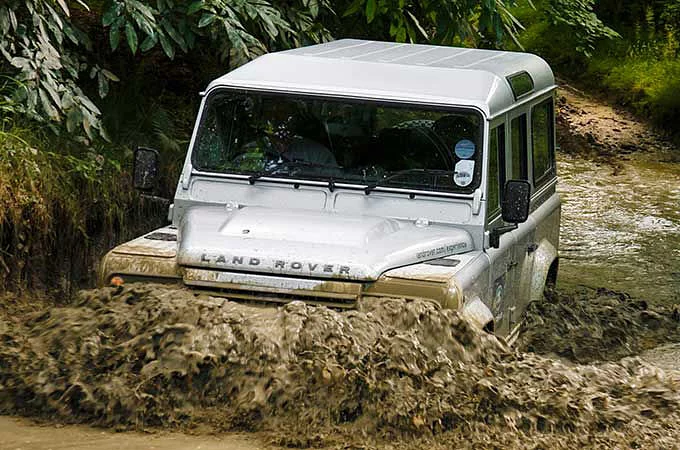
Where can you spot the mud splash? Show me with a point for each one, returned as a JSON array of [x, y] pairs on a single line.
[[148, 356], [586, 325]]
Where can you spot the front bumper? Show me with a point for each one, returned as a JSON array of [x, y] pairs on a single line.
[[153, 259]]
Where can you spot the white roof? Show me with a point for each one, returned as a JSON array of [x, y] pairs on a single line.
[[398, 72]]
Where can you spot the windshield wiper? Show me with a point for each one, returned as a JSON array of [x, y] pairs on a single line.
[[285, 165], [371, 187]]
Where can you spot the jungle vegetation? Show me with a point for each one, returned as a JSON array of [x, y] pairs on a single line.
[[82, 82]]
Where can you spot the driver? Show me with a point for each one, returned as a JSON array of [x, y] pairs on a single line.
[[293, 147]]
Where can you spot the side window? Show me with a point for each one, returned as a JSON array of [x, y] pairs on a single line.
[[496, 176], [518, 135], [542, 139]]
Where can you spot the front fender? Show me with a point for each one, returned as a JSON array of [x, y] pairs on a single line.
[[545, 255]]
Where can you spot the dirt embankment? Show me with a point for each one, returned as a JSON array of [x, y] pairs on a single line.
[[152, 356], [589, 128]]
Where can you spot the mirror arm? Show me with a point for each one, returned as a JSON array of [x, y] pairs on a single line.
[[155, 199], [495, 234]]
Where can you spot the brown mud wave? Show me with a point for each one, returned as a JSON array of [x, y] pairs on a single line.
[[152, 356], [587, 325]]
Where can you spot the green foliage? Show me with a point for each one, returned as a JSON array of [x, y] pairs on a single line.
[[579, 21], [242, 27], [51, 56], [565, 32], [640, 69], [442, 22], [643, 82], [44, 49], [60, 204]]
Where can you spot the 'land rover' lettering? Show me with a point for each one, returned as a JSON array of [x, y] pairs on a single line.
[[277, 264]]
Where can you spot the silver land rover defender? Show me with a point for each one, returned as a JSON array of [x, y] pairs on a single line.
[[357, 168]]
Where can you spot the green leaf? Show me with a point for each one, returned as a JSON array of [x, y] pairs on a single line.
[[354, 8], [131, 36], [206, 20], [195, 7], [13, 19], [110, 75], [47, 105], [73, 119], [401, 34], [104, 134], [109, 16], [175, 35], [83, 4], [49, 87], [167, 46], [87, 125], [4, 20], [371, 6], [103, 85], [62, 3], [314, 8], [114, 38], [149, 42], [88, 104]]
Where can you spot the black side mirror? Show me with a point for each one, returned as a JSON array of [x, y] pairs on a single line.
[[514, 208], [145, 170], [516, 200]]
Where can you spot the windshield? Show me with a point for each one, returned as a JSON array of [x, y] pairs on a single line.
[[363, 143]]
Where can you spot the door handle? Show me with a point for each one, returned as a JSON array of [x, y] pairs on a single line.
[[532, 248], [511, 264]]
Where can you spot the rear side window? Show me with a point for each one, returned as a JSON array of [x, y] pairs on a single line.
[[518, 133], [496, 176], [543, 149]]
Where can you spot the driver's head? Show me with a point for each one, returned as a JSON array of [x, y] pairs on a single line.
[[279, 126], [280, 133]]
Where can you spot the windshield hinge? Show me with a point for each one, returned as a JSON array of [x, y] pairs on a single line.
[[186, 176], [476, 202]]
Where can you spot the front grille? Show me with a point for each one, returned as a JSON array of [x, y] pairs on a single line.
[[272, 288], [277, 297]]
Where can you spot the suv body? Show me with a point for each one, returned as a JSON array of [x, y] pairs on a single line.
[[358, 168]]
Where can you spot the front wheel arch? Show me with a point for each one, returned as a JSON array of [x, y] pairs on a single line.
[[546, 264]]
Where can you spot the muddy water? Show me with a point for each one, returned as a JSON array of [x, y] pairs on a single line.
[[621, 225], [152, 356]]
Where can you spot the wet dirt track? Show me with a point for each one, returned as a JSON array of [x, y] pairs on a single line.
[[148, 356], [21, 434], [620, 187]]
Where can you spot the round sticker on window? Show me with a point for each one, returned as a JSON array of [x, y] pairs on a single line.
[[464, 170], [465, 149]]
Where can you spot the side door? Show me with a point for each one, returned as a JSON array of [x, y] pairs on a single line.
[[521, 265], [498, 297], [545, 204]]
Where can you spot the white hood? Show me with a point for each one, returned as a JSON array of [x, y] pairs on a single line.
[[310, 243]]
